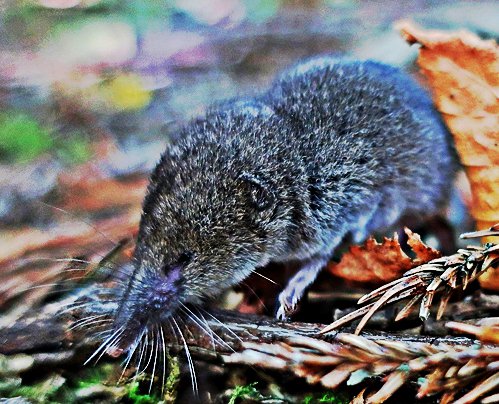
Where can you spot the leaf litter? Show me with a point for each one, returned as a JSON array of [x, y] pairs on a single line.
[[457, 373]]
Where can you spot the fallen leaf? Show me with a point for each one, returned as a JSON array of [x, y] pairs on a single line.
[[376, 262], [424, 253], [463, 73]]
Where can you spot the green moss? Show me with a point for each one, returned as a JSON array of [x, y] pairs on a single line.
[[9, 384], [331, 398], [137, 398], [248, 391], [43, 392], [97, 375], [171, 385], [23, 139], [336, 398]]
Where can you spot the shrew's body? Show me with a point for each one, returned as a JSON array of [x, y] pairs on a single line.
[[333, 148]]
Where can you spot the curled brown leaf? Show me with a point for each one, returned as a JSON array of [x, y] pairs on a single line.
[[375, 262]]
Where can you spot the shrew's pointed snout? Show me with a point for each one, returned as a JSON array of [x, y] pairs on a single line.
[[149, 300], [164, 293]]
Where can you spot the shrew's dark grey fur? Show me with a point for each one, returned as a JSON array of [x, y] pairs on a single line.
[[333, 148]]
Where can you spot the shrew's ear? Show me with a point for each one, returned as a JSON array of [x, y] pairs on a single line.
[[259, 192]]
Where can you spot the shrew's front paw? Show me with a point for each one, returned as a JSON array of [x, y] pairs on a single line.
[[295, 289], [288, 304]]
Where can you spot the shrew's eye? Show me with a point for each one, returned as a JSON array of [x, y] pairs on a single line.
[[185, 258], [260, 195]]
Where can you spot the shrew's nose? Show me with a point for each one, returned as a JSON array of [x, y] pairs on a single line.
[[161, 295], [157, 301]]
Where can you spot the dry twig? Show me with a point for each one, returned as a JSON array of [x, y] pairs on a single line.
[[441, 276], [439, 369]]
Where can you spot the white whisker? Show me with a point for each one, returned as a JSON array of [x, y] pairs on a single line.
[[156, 337], [190, 363], [111, 344], [131, 351], [104, 344], [192, 317], [150, 355], [141, 354], [163, 379], [223, 325], [207, 329], [89, 321], [114, 243], [74, 306], [264, 277]]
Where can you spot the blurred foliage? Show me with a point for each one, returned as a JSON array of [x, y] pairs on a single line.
[[96, 375], [331, 398], [76, 149], [127, 92], [51, 389], [137, 398], [86, 385], [142, 14], [259, 11], [173, 379], [246, 392], [106, 56], [22, 138]]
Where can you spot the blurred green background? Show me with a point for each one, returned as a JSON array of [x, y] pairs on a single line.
[[79, 75]]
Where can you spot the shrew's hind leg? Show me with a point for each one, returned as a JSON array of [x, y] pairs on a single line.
[[294, 290]]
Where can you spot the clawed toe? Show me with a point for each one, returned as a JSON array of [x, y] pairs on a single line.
[[291, 295], [287, 307], [281, 314]]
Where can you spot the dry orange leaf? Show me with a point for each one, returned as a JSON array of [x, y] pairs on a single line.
[[376, 262], [463, 73]]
